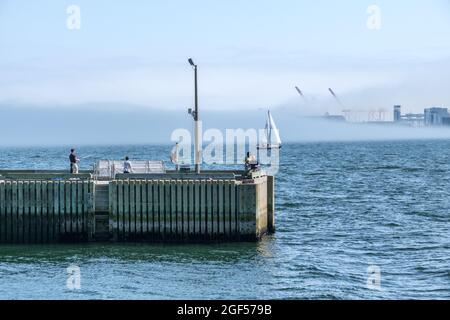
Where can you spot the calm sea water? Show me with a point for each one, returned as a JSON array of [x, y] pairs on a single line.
[[341, 208]]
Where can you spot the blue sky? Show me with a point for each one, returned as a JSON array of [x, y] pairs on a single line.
[[250, 53]]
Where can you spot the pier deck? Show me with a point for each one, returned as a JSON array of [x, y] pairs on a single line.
[[54, 207]]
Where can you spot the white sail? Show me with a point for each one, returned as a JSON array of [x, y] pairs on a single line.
[[271, 138], [274, 132]]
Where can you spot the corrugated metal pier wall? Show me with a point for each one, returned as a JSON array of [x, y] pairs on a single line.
[[135, 210], [46, 211]]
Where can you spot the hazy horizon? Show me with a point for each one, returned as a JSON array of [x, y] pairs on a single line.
[[91, 125]]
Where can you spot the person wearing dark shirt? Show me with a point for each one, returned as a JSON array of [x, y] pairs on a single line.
[[73, 162]]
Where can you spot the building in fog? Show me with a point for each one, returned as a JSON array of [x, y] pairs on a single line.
[[437, 117], [409, 119], [397, 113], [336, 118]]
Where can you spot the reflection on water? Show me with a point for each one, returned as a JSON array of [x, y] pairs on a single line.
[[140, 271]]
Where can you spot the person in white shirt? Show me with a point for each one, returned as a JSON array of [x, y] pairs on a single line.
[[127, 166]]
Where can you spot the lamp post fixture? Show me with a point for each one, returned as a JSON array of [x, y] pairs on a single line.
[[197, 147]]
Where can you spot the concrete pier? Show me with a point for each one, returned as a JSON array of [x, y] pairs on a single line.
[[52, 207]]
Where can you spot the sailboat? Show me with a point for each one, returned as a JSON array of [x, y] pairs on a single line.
[[271, 138]]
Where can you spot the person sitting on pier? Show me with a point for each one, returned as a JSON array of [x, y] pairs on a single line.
[[127, 166], [73, 162], [251, 164]]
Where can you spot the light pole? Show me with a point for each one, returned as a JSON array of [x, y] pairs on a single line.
[[197, 147]]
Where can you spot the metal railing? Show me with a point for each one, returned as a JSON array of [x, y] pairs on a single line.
[[109, 168]]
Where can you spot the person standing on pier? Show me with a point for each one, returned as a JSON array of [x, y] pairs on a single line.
[[127, 166], [73, 162]]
